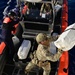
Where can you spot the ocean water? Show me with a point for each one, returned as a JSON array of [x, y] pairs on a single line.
[[71, 9], [71, 20], [6, 3]]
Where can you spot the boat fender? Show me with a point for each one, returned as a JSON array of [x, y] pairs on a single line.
[[24, 49]]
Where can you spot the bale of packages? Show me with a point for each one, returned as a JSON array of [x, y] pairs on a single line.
[[66, 40]]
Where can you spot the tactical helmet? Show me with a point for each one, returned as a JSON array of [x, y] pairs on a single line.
[[14, 15], [11, 13], [41, 37], [17, 11]]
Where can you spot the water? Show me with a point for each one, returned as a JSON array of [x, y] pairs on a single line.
[[71, 19], [71, 4], [3, 4]]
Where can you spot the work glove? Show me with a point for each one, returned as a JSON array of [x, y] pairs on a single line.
[[60, 50]]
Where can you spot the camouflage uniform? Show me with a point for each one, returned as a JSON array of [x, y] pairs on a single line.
[[43, 56]]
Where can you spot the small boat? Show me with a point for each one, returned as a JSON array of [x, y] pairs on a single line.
[[32, 24]]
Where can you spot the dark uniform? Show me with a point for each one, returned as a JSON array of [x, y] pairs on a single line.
[[6, 35], [43, 55]]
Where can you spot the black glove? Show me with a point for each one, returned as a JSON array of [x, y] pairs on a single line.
[[65, 70]]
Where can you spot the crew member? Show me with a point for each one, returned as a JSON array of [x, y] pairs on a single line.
[[7, 27], [43, 56]]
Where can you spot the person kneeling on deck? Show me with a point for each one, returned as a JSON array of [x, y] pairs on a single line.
[[43, 56]]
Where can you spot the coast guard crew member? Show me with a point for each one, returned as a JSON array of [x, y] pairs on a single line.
[[7, 27]]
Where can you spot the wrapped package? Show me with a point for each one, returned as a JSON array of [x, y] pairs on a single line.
[[66, 40], [24, 49]]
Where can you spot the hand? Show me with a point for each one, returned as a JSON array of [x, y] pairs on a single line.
[[60, 50]]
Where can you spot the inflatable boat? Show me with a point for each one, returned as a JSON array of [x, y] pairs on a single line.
[[24, 37]]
